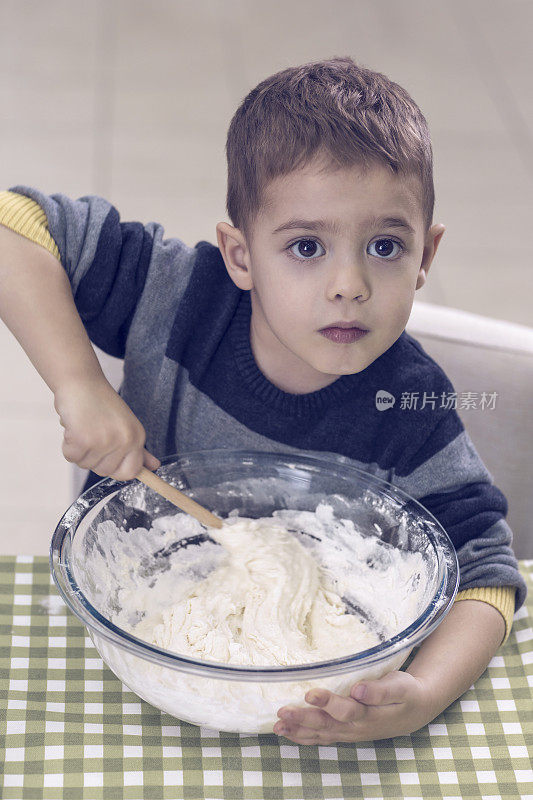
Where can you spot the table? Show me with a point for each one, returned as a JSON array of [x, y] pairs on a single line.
[[70, 729]]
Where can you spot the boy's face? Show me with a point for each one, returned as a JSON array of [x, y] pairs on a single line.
[[305, 279]]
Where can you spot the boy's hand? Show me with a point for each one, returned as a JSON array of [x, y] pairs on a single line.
[[101, 431], [395, 705]]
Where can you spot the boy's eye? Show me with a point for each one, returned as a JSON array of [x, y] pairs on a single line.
[[306, 248], [384, 249]]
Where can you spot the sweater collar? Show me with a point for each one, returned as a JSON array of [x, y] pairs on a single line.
[[309, 404]]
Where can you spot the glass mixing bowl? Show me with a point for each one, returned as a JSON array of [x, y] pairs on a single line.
[[106, 575]]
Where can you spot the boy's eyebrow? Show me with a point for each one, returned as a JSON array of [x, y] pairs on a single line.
[[332, 227]]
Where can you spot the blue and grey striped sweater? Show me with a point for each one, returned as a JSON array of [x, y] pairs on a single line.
[[182, 327]]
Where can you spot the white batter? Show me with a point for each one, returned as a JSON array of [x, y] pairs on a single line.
[[268, 604]]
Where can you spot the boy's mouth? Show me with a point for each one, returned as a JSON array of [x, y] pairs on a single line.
[[343, 332], [354, 323]]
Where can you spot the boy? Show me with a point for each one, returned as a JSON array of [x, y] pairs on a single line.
[[279, 339]]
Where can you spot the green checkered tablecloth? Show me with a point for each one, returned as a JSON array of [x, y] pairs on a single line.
[[70, 729]]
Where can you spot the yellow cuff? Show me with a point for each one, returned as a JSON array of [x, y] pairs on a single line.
[[23, 215], [501, 597]]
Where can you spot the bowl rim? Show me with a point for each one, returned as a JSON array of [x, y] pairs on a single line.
[[99, 625]]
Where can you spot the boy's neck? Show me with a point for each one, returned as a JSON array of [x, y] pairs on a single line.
[[293, 376]]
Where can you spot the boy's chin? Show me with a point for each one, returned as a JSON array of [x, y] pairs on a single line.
[[347, 363], [336, 371]]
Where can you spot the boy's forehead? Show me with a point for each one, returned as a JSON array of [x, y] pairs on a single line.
[[311, 193]]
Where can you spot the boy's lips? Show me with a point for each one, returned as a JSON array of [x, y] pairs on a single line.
[[343, 334], [341, 324]]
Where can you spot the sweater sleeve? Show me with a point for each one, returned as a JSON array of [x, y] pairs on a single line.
[[447, 476], [107, 261]]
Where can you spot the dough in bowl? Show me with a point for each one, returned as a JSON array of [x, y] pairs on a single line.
[[268, 603]]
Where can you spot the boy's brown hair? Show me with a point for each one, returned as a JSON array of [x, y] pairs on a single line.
[[334, 108]]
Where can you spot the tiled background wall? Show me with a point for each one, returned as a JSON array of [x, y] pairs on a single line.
[[132, 99]]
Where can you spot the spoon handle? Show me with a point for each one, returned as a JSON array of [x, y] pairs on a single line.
[[178, 498]]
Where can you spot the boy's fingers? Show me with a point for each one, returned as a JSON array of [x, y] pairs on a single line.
[[129, 467], [392, 688], [150, 461], [75, 452], [342, 709], [75, 456], [300, 735], [116, 465], [314, 718], [105, 465]]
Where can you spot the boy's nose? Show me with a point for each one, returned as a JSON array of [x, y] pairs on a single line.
[[349, 280]]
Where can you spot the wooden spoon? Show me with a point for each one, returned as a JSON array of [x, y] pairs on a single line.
[[179, 499]]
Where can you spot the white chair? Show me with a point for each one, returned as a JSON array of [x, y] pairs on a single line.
[[479, 354]]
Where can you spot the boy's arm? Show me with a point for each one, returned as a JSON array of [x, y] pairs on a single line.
[[472, 631], [501, 598], [105, 260], [446, 664], [447, 476], [37, 305]]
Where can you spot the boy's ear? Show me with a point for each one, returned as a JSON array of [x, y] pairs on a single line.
[[433, 237], [235, 253]]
